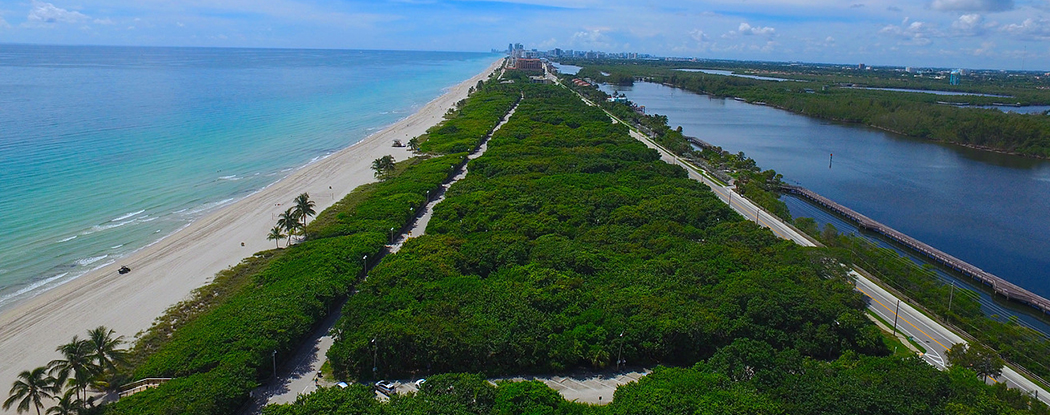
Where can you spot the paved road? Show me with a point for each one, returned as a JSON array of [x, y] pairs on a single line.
[[299, 375], [933, 336], [419, 227]]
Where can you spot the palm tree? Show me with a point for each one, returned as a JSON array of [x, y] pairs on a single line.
[[105, 349], [304, 207], [383, 166], [31, 388], [289, 222], [66, 405], [276, 234], [77, 362]]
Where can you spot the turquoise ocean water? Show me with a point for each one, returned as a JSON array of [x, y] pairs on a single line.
[[105, 150]]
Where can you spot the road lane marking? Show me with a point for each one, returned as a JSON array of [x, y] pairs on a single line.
[[902, 318]]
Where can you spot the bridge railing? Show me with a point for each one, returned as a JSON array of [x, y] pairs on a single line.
[[999, 285]]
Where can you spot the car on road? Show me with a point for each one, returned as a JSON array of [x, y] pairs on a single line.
[[386, 388]]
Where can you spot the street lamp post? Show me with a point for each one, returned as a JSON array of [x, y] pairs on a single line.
[[275, 364], [895, 317], [619, 354], [375, 356], [391, 236]]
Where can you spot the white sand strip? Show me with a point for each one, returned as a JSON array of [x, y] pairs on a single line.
[[168, 271]]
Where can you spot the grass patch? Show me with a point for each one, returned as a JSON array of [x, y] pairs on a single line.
[[893, 338]]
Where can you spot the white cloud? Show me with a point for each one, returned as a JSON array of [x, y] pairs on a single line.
[[1030, 29], [973, 5], [971, 25], [591, 38], [987, 48], [106, 21], [698, 35], [967, 22], [45, 14], [746, 29], [915, 33], [3, 23], [703, 42]]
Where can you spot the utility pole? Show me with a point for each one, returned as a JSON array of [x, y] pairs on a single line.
[[895, 313], [951, 294]]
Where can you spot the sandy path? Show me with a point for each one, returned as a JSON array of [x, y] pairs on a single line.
[[168, 271]]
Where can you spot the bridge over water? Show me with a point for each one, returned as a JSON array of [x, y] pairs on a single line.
[[998, 285]]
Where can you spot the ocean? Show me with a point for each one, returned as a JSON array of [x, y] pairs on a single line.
[[106, 150]]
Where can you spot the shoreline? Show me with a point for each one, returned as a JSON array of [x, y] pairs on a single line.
[[168, 270]]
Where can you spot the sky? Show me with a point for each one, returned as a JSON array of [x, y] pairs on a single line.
[[975, 34]]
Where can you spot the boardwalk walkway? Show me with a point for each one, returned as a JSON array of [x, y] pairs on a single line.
[[998, 285]]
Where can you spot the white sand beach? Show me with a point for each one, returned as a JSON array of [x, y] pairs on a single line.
[[168, 271]]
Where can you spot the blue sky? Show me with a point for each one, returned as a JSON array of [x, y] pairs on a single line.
[[995, 34]]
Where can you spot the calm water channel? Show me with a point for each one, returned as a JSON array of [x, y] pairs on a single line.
[[988, 209]]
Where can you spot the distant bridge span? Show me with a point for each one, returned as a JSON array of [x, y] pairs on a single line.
[[998, 285]]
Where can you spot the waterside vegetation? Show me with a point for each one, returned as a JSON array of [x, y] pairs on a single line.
[[957, 306], [916, 115]]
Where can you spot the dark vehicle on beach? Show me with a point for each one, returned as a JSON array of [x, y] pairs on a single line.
[[124, 270]]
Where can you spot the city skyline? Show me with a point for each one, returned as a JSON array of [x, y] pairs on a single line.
[[979, 34]]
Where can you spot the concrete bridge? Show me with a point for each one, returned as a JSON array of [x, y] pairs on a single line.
[[998, 285]]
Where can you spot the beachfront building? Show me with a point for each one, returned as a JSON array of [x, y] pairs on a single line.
[[528, 65]]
